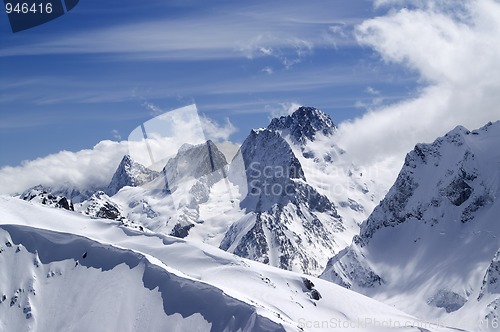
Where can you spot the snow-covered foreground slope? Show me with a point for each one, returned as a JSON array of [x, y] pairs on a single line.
[[431, 247], [64, 271]]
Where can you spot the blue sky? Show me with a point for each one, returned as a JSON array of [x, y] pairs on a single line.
[[89, 75], [391, 73]]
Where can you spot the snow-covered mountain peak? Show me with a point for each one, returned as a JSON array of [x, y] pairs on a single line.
[[193, 162], [288, 223], [271, 170], [184, 147], [461, 166], [303, 124], [431, 245], [129, 173]]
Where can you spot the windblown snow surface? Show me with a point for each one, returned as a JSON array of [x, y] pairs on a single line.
[[63, 271]]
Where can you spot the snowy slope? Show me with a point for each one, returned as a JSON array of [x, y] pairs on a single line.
[[431, 246], [63, 270]]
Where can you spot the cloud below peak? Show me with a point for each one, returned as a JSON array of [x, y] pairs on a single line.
[[94, 168]]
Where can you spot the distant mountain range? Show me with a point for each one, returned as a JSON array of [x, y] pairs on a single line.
[[291, 198], [276, 202]]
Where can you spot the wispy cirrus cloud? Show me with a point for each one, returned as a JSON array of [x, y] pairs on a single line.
[[285, 32], [282, 109], [216, 131]]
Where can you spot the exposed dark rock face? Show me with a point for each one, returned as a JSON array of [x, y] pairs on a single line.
[[43, 195], [181, 231], [101, 205], [303, 124], [448, 300], [491, 279], [281, 200], [129, 173]]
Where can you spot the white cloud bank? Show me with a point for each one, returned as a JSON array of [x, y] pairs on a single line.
[[93, 168], [83, 169], [455, 50]]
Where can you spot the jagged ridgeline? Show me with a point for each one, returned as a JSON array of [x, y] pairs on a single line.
[[431, 245], [291, 198], [270, 202]]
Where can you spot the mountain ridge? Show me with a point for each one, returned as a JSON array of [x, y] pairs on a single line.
[[129, 173], [431, 245], [264, 205]]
